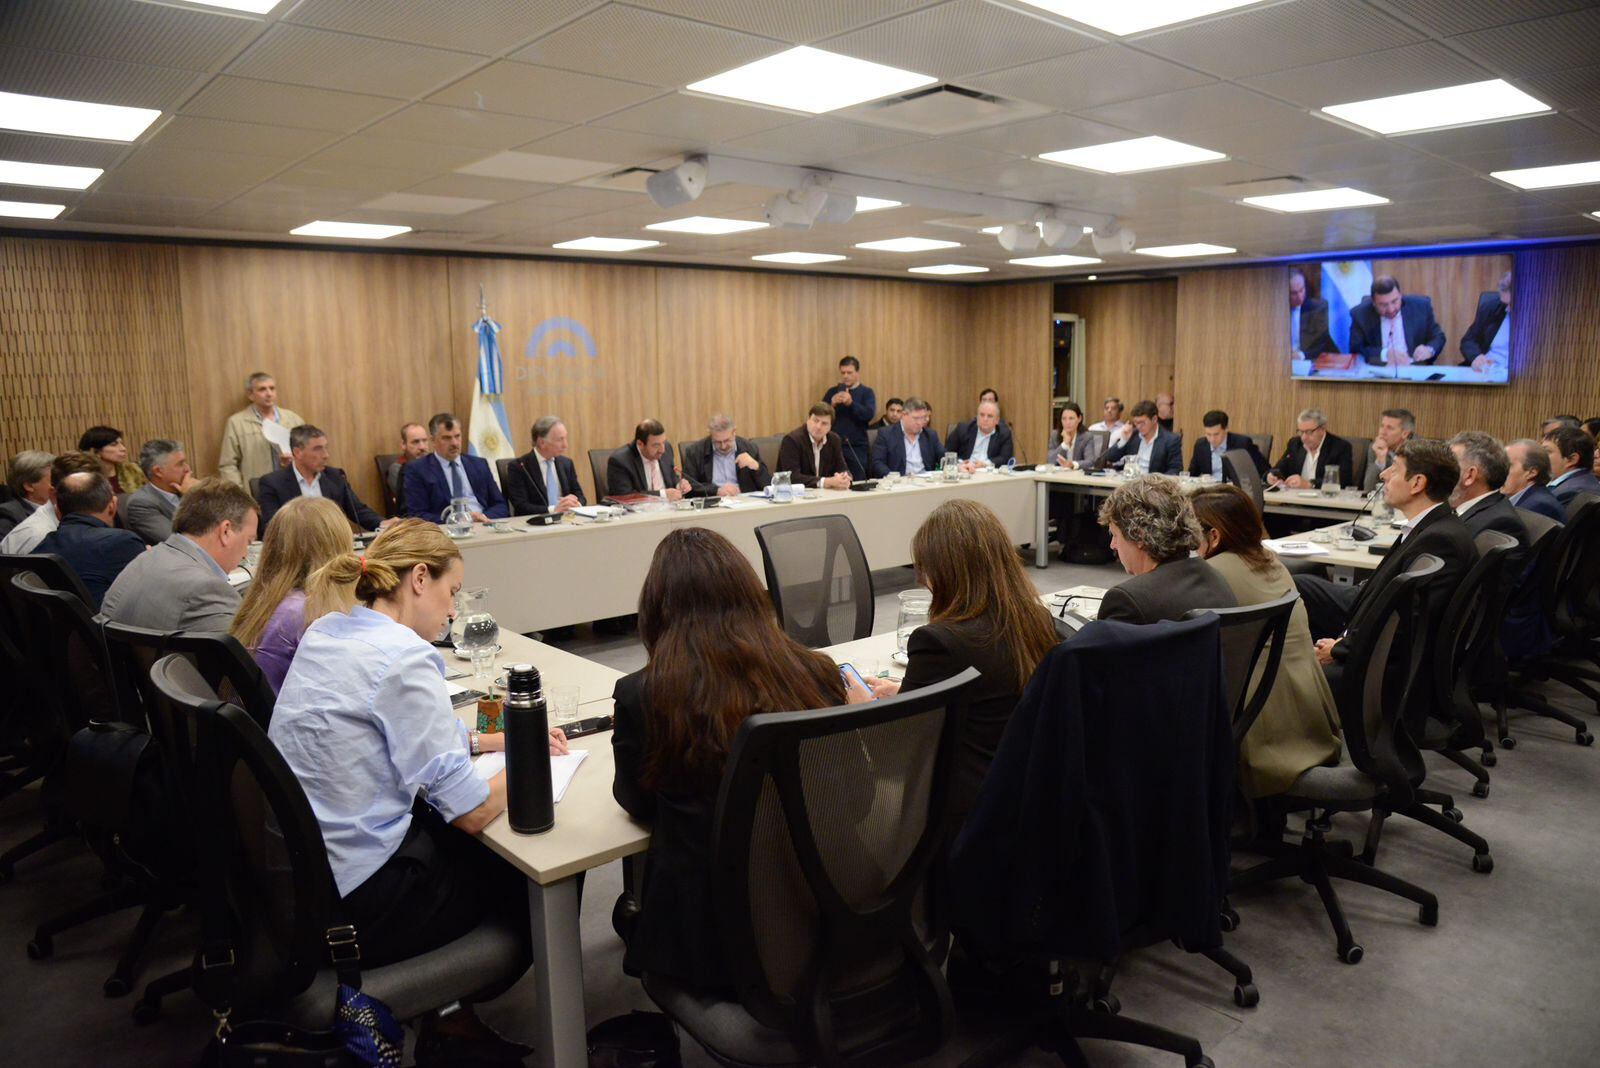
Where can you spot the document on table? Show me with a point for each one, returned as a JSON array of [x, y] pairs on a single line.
[[1285, 547], [562, 769], [276, 433]]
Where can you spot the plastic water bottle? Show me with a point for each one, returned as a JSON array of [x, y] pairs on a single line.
[[530, 804]]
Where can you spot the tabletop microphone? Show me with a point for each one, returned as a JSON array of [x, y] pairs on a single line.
[[1360, 533]]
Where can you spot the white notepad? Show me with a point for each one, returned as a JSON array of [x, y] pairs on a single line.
[[562, 769]]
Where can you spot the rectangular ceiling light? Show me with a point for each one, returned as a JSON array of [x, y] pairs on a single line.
[[908, 244], [606, 244], [810, 80], [254, 7], [22, 209], [1551, 177], [949, 268], [359, 231], [1135, 16], [1434, 109], [1317, 200], [73, 118], [1139, 154], [866, 204], [49, 175], [1173, 252], [799, 257], [1060, 260], [706, 224]]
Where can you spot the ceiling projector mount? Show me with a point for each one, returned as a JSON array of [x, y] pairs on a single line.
[[812, 203], [1060, 230]]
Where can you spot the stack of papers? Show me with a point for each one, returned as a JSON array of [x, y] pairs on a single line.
[[562, 769], [1285, 547]]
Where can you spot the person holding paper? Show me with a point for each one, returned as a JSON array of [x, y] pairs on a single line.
[[255, 441]]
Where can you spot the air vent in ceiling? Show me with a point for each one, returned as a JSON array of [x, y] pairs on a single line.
[[942, 110], [627, 180]]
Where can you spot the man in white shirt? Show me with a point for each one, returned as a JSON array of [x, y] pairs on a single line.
[[1487, 342], [1305, 462], [310, 475], [1111, 411], [29, 481], [26, 535]]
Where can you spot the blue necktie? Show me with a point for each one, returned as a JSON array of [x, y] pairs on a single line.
[[457, 485], [552, 485]]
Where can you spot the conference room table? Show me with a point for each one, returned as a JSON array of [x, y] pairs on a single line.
[[1322, 547], [1303, 504]]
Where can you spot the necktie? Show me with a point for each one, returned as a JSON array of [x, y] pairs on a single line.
[[655, 477], [552, 485], [458, 487]]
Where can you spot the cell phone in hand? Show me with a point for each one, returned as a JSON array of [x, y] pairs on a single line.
[[850, 675]]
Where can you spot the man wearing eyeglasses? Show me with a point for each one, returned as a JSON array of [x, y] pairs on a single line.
[[1487, 343], [1310, 453]]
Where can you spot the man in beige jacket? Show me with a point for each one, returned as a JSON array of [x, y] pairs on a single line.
[[246, 452]]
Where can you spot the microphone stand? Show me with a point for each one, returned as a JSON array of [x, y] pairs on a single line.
[[1360, 533]]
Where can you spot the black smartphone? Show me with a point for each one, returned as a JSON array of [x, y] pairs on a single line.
[[592, 725]]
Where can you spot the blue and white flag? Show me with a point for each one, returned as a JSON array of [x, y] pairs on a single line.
[[1345, 283], [488, 430]]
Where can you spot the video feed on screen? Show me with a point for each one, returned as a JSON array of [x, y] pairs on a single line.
[[1444, 319]]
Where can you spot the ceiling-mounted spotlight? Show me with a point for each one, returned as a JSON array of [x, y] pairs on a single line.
[[790, 211], [1113, 239], [812, 203], [1058, 233], [1019, 237], [678, 185]]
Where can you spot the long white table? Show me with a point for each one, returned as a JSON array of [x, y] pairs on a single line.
[[1305, 504]]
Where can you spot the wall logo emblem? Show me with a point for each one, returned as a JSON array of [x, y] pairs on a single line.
[[560, 338], [560, 360]]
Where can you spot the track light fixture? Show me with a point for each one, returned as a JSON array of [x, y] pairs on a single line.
[[678, 185]]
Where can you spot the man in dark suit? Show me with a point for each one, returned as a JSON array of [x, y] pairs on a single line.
[[308, 475], [910, 448], [983, 438], [1477, 498], [812, 453], [29, 479], [1215, 441], [645, 465], [1487, 343], [722, 464], [854, 405], [86, 540], [544, 480], [1389, 329], [1395, 425], [1308, 320], [1312, 451], [1526, 478], [1417, 485], [432, 482], [1160, 450], [1571, 452]]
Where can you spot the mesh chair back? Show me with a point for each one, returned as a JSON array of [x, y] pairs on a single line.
[[52, 569], [502, 471], [949, 431], [219, 658], [1465, 641], [1247, 634], [1574, 599], [74, 662], [597, 467], [1538, 525], [872, 439], [828, 826], [391, 503], [767, 449], [818, 579], [1263, 443], [1240, 469]]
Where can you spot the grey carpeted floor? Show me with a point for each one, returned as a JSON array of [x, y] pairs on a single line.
[[1508, 977]]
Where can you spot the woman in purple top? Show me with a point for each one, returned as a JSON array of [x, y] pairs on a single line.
[[304, 534]]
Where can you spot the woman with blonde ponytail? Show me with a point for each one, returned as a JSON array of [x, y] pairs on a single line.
[[365, 722]]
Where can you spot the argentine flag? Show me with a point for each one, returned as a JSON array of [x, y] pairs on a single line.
[[488, 431], [1345, 283]]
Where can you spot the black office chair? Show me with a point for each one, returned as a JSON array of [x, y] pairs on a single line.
[[391, 501], [51, 568], [1239, 469], [503, 470], [767, 449], [1263, 444], [1525, 623], [1247, 634], [825, 847], [1569, 561], [598, 458], [222, 662], [818, 579], [1383, 672], [1360, 454]]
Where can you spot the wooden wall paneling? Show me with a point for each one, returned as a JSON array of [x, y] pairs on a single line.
[[359, 343], [1010, 352], [1131, 344], [89, 334]]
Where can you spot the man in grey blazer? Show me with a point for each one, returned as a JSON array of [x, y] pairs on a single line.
[[182, 584], [148, 511]]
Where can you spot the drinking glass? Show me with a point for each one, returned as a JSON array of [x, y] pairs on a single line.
[[782, 487], [950, 466], [1330, 482], [914, 608], [563, 704], [476, 634]]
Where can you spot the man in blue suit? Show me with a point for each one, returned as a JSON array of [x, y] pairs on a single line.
[[1160, 452], [432, 482], [1525, 481], [1389, 329], [909, 448], [1571, 452]]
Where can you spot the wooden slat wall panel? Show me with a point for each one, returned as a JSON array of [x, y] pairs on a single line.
[[1132, 332], [89, 334], [1010, 352]]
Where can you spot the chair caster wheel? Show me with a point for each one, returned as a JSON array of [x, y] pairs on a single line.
[[1508, 742], [1453, 813], [1428, 915], [1246, 996], [1351, 954], [146, 1012], [116, 987], [1488, 760], [1482, 863], [1230, 919], [1480, 789], [1201, 1061], [40, 948], [1585, 738], [1108, 1004]]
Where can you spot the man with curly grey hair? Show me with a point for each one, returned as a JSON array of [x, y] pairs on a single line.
[[1154, 533]]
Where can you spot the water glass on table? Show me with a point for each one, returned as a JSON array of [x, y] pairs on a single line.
[[1331, 482], [914, 608], [563, 701]]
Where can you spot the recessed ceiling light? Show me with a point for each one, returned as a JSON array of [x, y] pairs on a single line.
[[706, 224], [1551, 177], [1317, 200], [908, 244], [1433, 109], [991, 229], [73, 118], [22, 209], [949, 268], [866, 204], [359, 231], [1088, 229], [810, 80], [1199, 248], [49, 175], [1138, 154], [1054, 261], [1135, 16], [799, 257], [1092, 277], [606, 244], [254, 7]]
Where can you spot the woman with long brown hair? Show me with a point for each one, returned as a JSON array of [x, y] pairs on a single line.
[[717, 656], [1298, 728], [305, 534], [985, 614]]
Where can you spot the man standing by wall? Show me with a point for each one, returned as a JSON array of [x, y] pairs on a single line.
[[246, 451], [854, 405]]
